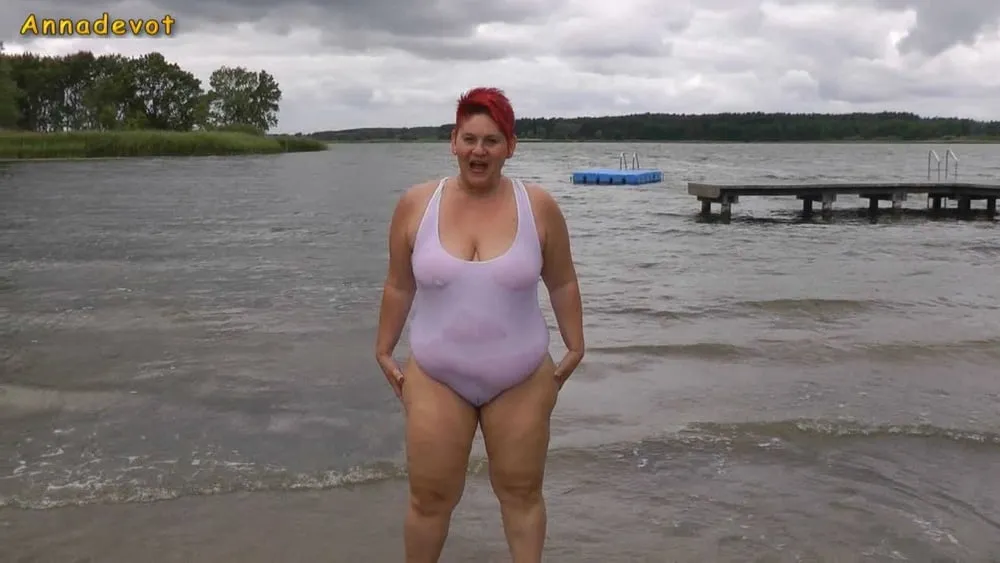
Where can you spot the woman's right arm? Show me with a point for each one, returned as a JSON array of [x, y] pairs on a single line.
[[397, 291]]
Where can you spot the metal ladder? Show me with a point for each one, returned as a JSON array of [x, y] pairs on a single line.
[[932, 156], [623, 162], [949, 155]]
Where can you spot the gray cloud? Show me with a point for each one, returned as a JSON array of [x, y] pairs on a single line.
[[446, 19], [354, 63], [944, 23]]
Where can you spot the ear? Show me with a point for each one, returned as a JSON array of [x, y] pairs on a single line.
[[454, 136], [511, 146]]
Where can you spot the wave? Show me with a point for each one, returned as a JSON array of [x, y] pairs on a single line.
[[815, 430], [703, 350], [985, 348], [806, 308], [212, 478], [222, 477], [811, 352], [768, 437], [703, 312], [816, 307]]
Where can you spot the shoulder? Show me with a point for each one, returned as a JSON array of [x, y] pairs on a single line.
[[409, 210], [549, 219], [418, 193], [544, 205], [414, 199]]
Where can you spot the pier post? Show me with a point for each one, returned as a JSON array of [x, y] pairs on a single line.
[[897, 200], [936, 202], [964, 204], [807, 205], [828, 199], [991, 206], [726, 201], [896, 197]]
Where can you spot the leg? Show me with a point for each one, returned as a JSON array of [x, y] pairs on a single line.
[[440, 427], [516, 432]]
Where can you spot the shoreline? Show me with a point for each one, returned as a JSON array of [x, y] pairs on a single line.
[[110, 158], [30, 146], [71, 146], [692, 141]]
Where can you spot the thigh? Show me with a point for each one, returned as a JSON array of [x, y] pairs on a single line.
[[516, 429], [440, 427]]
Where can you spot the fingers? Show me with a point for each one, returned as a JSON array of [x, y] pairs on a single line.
[[566, 367], [393, 374], [396, 380]]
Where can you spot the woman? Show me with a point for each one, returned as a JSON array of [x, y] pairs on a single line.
[[468, 252]]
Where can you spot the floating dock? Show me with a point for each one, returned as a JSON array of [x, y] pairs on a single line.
[[611, 176], [897, 192], [623, 175]]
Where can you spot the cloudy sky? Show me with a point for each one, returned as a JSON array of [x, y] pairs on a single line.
[[365, 63]]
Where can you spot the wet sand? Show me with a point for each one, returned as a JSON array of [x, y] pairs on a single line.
[[588, 522]]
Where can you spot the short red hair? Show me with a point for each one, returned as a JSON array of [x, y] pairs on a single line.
[[491, 101]]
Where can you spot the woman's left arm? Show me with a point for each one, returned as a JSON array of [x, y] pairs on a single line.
[[559, 275]]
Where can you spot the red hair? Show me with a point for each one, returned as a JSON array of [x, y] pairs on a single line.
[[491, 101]]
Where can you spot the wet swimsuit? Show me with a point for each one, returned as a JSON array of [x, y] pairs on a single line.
[[476, 325]]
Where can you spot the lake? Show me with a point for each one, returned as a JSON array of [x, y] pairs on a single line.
[[199, 331]]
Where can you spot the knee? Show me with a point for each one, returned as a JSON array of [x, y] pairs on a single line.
[[434, 499], [517, 488]]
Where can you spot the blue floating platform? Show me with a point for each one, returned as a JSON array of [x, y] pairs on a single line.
[[612, 176]]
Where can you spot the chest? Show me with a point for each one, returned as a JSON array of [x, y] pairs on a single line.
[[478, 232]]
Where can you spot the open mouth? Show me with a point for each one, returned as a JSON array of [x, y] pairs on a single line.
[[478, 166]]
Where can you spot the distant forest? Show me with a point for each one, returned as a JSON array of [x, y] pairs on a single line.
[[727, 127]]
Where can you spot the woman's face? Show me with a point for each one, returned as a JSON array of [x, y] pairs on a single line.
[[481, 149]]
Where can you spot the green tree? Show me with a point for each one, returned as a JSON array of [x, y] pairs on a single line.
[[38, 80], [9, 94], [168, 95], [723, 127], [111, 102], [81, 91], [239, 98]]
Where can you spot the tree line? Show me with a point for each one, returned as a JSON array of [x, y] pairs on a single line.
[[722, 127], [83, 91]]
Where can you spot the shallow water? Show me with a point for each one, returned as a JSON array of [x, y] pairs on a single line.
[[770, 389]]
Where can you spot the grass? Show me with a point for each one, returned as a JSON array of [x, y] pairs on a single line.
[[111, 144]]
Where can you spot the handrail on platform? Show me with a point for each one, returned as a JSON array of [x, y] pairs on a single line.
[[623, 163], [949, 155], [932, 154]]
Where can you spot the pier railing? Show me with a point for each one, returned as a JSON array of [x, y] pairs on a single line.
[[623, 162], [950, 155], [932, 154], [933, 158]]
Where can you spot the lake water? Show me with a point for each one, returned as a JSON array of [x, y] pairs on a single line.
[[200, 332]]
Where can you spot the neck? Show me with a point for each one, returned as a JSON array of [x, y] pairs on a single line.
[[491, 188]]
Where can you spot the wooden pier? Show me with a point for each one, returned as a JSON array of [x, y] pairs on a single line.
[[938, 193]]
